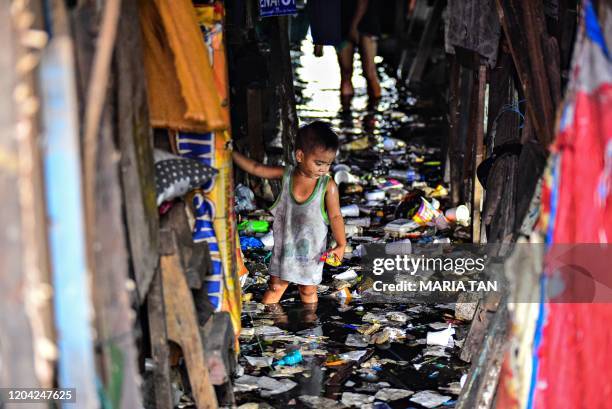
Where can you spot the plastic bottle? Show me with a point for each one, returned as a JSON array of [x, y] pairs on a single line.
[[411, 175]]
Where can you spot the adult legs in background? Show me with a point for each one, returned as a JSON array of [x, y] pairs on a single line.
[[345, 60], [367, 50], [276, 289]]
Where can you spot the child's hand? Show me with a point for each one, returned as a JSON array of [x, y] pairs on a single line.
[[338, 252]]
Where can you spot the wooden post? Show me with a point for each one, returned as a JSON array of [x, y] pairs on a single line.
[[425, 45], [525, 29], [468, 119], [255, 129], [478, 152], [159, 343], [17, 349], [481, 384], [182, 322], [453, 143], [64, 199], [255, 124], [136, 145], [114, 315], [282, 74]]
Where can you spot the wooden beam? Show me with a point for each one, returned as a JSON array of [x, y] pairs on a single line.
[[159, 343], [255, 124], [282, 76], [415, 74], [16, 349], [478, 152], [114, 315], [453, 143], [525, 30], [481, 385], [182, 323], [136, 146]]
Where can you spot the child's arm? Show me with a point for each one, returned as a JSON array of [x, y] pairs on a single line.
[[332, 204], [255, 168]]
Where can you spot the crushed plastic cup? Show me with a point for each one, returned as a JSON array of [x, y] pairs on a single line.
[[350, 210], [459, 214], [344, 176]]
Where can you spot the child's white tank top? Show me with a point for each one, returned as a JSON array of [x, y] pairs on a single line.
[[300, 233]]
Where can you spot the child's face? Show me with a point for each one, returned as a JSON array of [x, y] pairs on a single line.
[[316, 162]]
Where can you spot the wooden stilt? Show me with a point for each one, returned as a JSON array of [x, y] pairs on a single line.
[[415, 74], [488, 353], [159, 343], [182, 322], [478, 153]]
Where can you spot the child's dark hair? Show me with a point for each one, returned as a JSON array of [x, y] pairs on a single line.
[[317, 134]]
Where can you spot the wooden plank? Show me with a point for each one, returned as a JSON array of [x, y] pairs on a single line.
[[182, 326], [415, 74], [63, 170], [37, 279], [17, 349], [281, 74], [469, 123], [524, 27], [255, 124], [159, 343], [478, 328], [114, 315], [453, 143], [481, 384], [255, 132], [478, 152], [136, 146]]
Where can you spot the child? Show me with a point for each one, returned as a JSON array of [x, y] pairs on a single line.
[[307, 203]]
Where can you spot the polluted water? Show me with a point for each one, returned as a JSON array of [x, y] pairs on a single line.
[[344, 352]]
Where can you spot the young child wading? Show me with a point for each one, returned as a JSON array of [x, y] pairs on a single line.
[[307, 204]]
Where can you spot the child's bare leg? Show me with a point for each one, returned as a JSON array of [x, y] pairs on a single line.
[[276, 289], [308, 294]]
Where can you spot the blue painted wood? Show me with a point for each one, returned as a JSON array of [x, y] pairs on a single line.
[[63, 185]]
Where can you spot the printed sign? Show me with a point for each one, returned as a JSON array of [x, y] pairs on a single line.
[[270, 8]]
